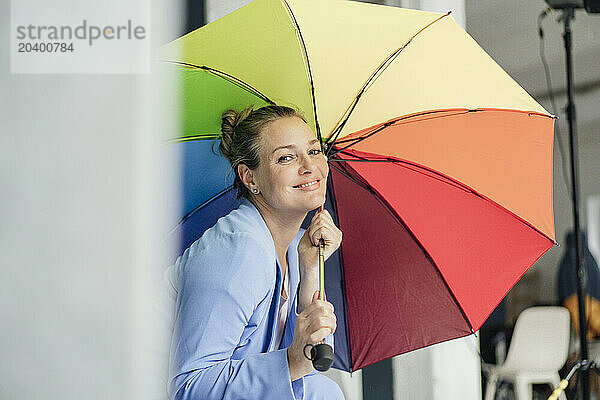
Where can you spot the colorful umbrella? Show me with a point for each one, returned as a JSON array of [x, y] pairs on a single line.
[[440, 163]]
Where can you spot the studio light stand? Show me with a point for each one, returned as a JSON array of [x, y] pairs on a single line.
[[567, 17], [568, 14]]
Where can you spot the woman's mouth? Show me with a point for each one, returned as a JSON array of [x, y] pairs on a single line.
[[312, 185]]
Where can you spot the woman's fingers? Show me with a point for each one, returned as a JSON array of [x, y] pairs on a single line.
[[328, 232], [320, 335], [313, 325], [322, 232], [321, 213], [318, 307], [317, 329], [318, 321], [322, 321], [324, 215], [321, 216], [322, 227]]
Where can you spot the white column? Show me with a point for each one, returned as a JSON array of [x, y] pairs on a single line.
[[412, 375], [82, 224], [351, 384], [449, 370]]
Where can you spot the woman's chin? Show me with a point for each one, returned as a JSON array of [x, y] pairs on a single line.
[[315, 201], [304, 203]]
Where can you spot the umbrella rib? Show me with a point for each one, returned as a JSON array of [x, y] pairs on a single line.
[[227, 77], [312, 86], [398, 121], [393, 212], [447, 180], [198, 208], [349, 160], [418, 169], [376, 74], [407, 119], [359, 139], [362, 185]]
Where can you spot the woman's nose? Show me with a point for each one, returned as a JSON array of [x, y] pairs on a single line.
[[306, 165]]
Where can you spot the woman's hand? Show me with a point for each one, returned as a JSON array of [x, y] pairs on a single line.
[[313, 324], [321, 227]]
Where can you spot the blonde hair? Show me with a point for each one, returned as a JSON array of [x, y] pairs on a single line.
[[240, 141]]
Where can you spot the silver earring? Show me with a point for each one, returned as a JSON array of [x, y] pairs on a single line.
[[255, 191]]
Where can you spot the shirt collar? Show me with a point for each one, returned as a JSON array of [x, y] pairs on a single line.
[[247, 206]]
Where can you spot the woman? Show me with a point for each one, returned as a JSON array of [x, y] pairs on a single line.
[[247, 302]]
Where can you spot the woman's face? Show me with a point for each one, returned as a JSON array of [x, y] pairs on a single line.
[[292, 174]]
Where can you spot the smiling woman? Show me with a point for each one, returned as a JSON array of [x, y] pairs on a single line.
[[247, 301], [293, 167]]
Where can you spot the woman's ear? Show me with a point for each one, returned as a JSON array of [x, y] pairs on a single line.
[[246, 176]]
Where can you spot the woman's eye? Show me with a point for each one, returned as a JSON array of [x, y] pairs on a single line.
[[285, 158], [315, 151]]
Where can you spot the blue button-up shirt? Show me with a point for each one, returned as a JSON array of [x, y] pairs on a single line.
[[223, 346]]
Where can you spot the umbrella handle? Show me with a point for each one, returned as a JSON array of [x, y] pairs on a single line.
[[321, 354], [321, 270]]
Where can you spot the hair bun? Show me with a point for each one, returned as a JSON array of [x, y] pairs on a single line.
[[229, 121]]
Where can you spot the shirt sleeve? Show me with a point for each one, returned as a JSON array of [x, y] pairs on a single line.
[[219, 289]]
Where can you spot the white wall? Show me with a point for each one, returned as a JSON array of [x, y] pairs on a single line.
[[593, 224], [83, 194], [443, 371]]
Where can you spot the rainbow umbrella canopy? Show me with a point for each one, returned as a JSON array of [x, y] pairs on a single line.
[[441, 164]]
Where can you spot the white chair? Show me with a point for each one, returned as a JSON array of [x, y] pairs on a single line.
[[538, 350]]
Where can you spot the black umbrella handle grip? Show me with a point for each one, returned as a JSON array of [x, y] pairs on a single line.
[[321, 356]]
